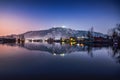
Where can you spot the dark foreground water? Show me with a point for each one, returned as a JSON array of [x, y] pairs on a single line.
[[55, 61]]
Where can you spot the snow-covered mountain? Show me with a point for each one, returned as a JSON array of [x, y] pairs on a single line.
[[57, 33]]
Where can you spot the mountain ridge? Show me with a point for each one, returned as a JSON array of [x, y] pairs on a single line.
[[58, 32]]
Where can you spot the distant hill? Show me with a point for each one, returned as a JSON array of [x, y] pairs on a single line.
[[58, 32]]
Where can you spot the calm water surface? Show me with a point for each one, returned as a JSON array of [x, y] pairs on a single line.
[[58, 60]]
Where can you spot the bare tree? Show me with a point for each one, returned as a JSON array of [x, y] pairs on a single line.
[[114, 32]]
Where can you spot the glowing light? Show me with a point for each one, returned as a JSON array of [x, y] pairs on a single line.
[[77, 44], [54, 54], [62, 54], [63, 42], [63, 26], [71, 39], [82, 45]]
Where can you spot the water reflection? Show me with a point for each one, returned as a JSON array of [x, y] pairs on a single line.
[[63, 49], [115, 52], [57, 48], [59, 59]]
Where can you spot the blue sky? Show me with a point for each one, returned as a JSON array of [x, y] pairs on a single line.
[[19, 16]]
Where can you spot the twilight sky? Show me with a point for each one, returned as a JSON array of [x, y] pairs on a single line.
[[19, 16]]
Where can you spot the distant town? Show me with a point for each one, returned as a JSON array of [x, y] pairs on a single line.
[[111, 38]]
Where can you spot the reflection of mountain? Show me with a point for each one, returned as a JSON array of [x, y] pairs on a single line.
[[67, 49], [56, 48], [58, 33], [59, 49]]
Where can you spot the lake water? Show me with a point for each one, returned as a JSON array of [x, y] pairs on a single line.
[[56, 60]]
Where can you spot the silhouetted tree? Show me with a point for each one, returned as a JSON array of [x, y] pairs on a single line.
[[114, 32]]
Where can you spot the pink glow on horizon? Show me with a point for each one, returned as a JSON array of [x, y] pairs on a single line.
[[12, 24]]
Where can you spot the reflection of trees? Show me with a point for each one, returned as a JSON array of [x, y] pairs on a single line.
[[90, 52], [116, 53], [57, 48], [9, 44]]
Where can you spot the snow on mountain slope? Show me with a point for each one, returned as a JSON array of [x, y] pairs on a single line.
[[58, 32]]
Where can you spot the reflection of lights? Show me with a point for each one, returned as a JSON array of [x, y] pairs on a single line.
[[27, 41], [32, 40], [72, 43], [62, 54], [77, 44], [54, 54], [82, 45], [83, 37], [63, 42]]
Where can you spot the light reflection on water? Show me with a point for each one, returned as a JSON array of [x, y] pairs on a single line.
[[56, 59]]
